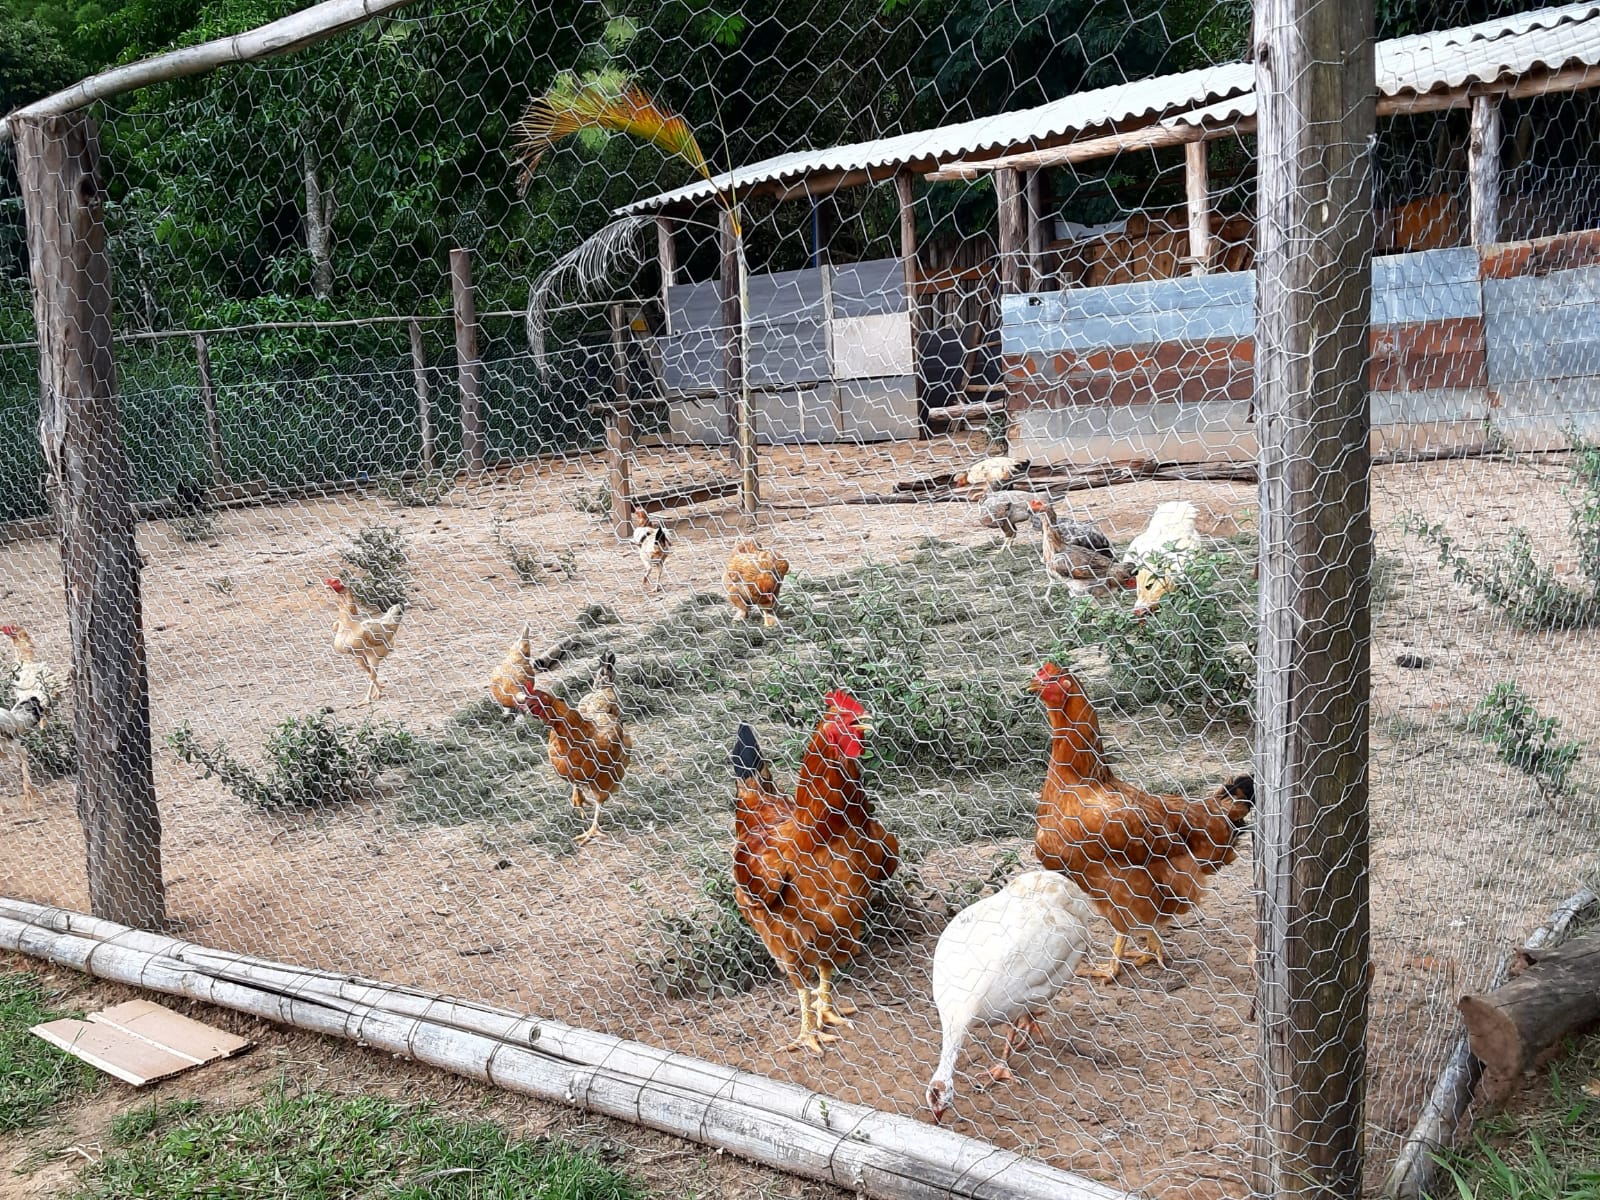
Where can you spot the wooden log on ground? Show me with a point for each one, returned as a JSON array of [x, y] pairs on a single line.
[[778, 1124], [1558, 992], [58, 160]]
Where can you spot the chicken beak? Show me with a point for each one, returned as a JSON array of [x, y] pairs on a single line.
[[863, 724]]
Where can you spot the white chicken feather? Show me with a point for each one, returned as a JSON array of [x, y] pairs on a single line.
[[1163, 551], [1002, 960]]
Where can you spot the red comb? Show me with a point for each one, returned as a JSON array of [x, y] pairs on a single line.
[[845, 702], [334, 582], [1049, 671]]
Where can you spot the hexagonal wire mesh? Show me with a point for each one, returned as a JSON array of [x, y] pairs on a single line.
[[1021, 237]]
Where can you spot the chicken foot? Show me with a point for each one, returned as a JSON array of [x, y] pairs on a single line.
[[1120, 958], [827, 1012], [811, 1037], [594, 832], [374, 686]]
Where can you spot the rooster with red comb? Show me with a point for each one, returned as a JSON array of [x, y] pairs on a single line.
[[804, 868]]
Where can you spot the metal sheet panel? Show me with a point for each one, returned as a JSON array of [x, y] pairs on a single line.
[[1431, 285], [1192, 309], [1543, 327], [871, 347], [875, 410], [868, 289]]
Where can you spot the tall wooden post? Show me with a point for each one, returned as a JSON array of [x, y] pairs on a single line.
[[1037, 232], [208, 403], [1316, 93], [468, 368], [419, 382], [1197, 182], [58, 161], [909, 268], [1011, 206], [619, 426], [667, 256], [735, 370], [1483, 169]]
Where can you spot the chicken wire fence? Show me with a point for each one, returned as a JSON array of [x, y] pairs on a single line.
[[865, 507]]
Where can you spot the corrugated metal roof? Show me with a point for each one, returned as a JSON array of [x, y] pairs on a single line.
[[1139, 99], [1545, 39]]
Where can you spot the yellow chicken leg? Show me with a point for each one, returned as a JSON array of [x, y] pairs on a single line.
[[811, 1038], [1120, 957], [769, 618], [827, 1013], [593, 833]]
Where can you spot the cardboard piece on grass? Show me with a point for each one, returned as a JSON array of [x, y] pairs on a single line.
[[140, 1042]]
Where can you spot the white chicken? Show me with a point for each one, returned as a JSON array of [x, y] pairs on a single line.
[[1162, 551], [991, 470], [30, 704], [1003, 959], [654, 545]]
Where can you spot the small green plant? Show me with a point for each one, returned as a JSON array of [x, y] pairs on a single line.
[[1192, 652], [378, 568], [288, 1147], [595, 501], [198, 526], [526, 562], [136, 1124], [312, 761], [34, 1076], [1513, 579], [1507, 719], [222, 585], [425, 489]]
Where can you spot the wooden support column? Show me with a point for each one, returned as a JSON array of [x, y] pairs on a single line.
[[911, 274], [1011, 209], [419, 381], [468, 368], [619, 426], [1038, 233], [1483, 169], [667, 255], [1197, 182], [735, 377], [208, 402], [1316, 92], [58, 160]]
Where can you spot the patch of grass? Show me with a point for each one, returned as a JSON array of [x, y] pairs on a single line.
[[52, 749], [425, 489], [595, 501], [1513, 580], [528, 563], [198, 526], [318, 1146], [135, 1124], [1507, 719], [377, 568], [35, 1077], [1195, 652], [312, 761], [1549, 1152]]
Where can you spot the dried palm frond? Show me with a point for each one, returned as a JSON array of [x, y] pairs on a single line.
[[584, 269], [570, 107]]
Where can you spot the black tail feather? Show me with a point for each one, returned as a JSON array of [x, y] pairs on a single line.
[[747, 760]]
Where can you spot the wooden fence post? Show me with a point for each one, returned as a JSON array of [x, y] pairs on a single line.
[[1197, 183], [419, 380], [58, 161], [468, 368], [619, 426], [909, 272], [735, 370], [1316, 91], [1011, 208], [1483, 169], [208, 400]]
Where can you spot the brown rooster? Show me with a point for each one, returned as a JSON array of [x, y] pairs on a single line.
[[368, 640], [508, 683], [1141, 859], [588, 743], [753, 578], [804, 869]]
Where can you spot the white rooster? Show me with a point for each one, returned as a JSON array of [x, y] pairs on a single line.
[[1162, 552], [1003, 959], [30, 701]]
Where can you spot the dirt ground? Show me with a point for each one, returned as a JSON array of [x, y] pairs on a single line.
[[51, 1160], [1145, 1086]]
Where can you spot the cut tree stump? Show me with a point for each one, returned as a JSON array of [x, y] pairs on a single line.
[[1557, 993]]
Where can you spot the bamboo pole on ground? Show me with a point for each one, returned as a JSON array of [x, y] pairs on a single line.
[[776, 1124]]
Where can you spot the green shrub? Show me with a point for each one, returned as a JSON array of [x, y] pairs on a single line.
[[527, 563], [312, 761], [379, 572], [1513, 579], [1507, 719], [424, 489]]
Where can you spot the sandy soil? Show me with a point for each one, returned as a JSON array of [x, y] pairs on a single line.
[[1145, 1086]]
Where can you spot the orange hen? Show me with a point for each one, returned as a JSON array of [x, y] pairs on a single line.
[[804, 868], [753, 578], [1141, 859], [588, 743]]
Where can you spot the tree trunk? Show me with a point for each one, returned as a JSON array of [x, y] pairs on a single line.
[[319, 218], [1513, 1025], [58, 161], [1316, 91]]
